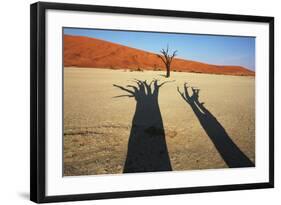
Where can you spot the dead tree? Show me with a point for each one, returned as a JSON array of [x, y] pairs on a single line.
[[167, 59]]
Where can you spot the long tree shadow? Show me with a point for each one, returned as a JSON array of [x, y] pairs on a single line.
[[147, 149], [228, 150]]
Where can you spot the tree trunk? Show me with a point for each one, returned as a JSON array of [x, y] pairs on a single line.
[[168, 72]]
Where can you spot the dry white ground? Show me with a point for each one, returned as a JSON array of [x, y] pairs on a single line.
[[97, 125]]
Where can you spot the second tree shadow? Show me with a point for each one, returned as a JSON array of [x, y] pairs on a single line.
[[227, 149], [147, 149]]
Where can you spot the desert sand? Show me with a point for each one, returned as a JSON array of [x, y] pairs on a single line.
[[80, 51], [97, 123]]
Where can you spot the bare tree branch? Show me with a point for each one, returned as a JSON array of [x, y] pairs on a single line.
[[167, 59], [164, 61]]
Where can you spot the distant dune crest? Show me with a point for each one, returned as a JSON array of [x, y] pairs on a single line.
[[90, 52]]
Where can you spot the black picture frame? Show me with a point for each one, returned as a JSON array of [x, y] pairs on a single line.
[[38, 101]]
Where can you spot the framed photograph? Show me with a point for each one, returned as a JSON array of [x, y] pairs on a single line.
[[129, 102]]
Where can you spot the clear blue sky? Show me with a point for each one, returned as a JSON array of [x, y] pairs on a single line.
[[212, 49]]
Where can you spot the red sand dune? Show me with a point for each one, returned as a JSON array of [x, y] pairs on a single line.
[[90, 52]]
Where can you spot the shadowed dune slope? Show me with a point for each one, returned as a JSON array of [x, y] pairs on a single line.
[[90, 52]]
